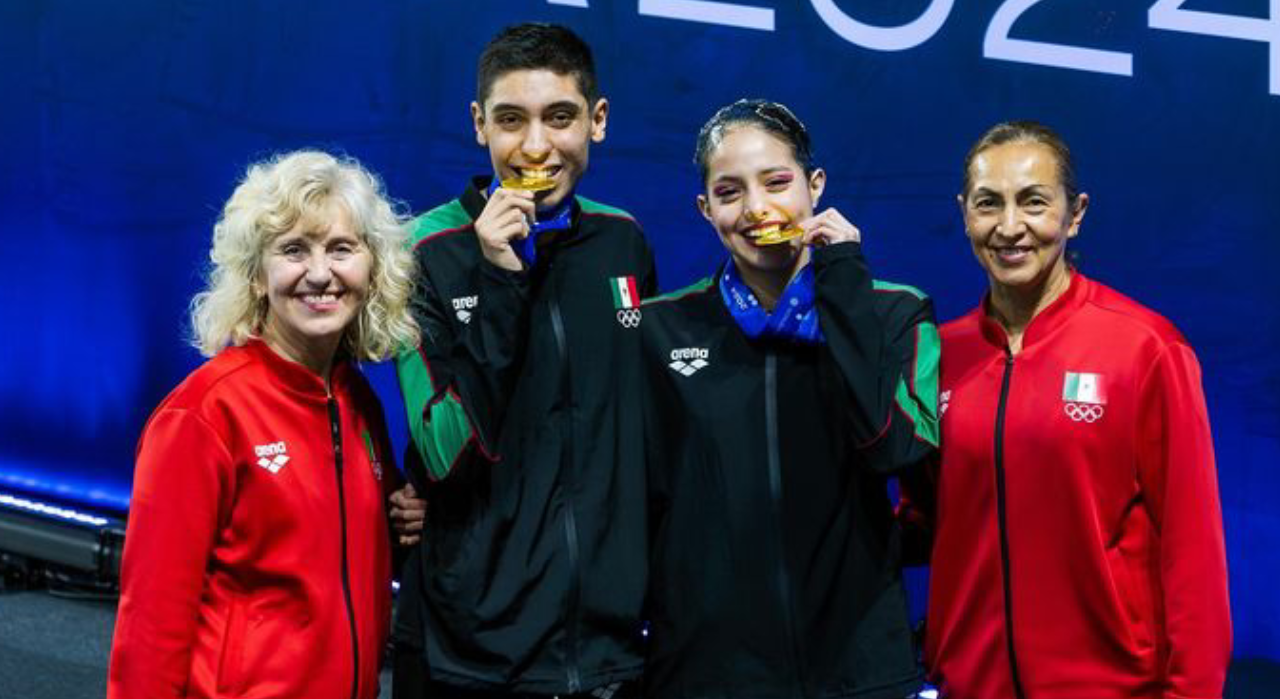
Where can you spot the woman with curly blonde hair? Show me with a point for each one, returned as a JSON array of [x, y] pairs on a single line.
[[271, 200], [257, 556]]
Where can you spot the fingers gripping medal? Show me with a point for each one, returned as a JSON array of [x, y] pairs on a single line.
[[553, 218]]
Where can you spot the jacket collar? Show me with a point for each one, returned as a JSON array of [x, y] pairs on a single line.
[[296, 377], [1045, 323], [473, 199]]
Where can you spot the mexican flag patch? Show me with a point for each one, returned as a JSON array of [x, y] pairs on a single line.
[[1084, 388], [624, 291]]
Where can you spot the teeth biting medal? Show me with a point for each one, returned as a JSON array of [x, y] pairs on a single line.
[[775, 234], [531, 179]]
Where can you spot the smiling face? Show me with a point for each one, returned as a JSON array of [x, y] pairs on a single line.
[[538, 123], [1018, 217], [316, 279], [754, 183]]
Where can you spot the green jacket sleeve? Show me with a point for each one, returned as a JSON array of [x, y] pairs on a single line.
[[456, 384], [884, 339]]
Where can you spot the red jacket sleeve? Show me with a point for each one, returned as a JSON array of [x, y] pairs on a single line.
[[1176, 467], [182, 476]]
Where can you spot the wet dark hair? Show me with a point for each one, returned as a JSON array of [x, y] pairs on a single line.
[[1032, 132], [770, 116], [537, 46]]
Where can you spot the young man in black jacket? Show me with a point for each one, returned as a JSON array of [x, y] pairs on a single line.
[[530, 575]]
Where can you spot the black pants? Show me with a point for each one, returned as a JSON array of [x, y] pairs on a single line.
[[408, 674], [409, 680]]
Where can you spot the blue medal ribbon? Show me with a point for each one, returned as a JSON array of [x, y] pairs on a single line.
[[556, 218], [794, 317]]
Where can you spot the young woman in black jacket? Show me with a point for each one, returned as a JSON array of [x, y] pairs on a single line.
[[783, 392]]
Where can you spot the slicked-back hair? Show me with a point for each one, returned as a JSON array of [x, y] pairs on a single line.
[[773, 117], [1026, 131], [537, 46]]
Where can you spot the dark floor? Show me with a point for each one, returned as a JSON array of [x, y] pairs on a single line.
[[57, 648]]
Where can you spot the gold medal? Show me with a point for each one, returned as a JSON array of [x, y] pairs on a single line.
[[776, 235], [531, 180]]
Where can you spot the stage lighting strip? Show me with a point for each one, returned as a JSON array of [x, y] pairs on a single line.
[[41, 508]]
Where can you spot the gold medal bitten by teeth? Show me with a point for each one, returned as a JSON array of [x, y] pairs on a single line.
[[532, 180], [776, 235]]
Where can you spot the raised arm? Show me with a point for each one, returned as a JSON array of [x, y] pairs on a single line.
[[885, 341]]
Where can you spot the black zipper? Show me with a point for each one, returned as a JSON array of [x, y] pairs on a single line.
[[775, 489], [572, 602], [1004, 527], [335, 428]]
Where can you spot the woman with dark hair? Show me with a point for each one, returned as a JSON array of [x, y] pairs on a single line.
[[257, 558], [783, 392], [1079, 548]]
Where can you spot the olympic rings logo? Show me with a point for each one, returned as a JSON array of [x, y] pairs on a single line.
[[629, 317], [1083, 412]]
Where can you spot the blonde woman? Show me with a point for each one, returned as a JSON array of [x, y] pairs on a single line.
[[257, 555]]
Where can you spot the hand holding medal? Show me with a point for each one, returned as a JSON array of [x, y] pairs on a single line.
[[828, 228]]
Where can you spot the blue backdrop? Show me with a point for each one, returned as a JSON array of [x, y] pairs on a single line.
[[126, 125]]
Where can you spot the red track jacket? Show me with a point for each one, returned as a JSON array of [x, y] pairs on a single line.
[[1079, 550], [257, 557]]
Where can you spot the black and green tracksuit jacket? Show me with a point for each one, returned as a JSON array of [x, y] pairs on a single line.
[[531, 573], [775, 569]]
